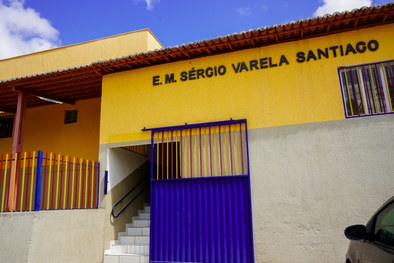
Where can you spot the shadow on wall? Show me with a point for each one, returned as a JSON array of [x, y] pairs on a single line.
[[120, 190]]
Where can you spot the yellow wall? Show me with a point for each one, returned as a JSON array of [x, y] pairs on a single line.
[[291, 94], [45, 130], [79, 54]]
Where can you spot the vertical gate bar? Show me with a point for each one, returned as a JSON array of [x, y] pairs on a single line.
[[18, 180], [172, 155], [49, 179], [97, 186], [5, 197], [176, 156], [236, 151], [242, 148], [220, 153], [180, 156], [69, 193], [162, 155], [79, 185], [368, 89], [231, 150], [1, 181], [361, 90], [206, 173], [86, 184], [92, 185], [58, 177], [384, 80], [191, 154], [36, 181], [152, 194], [354, 92], [249, 197], [195, 154], [166, 157], [157, 158], [4, 180], [28, 176], [225, 152], [13, 181], [55, 161], [380, 88], [200, 155], [23, 182], [65, 181], [210, 150], [376, 92], [72, 193]]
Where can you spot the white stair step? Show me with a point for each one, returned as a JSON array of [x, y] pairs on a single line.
[[126, 258], [143, 240], [127, 240], [144, 215], [136, 231], [141, 249], [139, 223], [147, 208]]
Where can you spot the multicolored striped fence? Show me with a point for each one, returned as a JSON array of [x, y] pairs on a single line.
[[46, 181]]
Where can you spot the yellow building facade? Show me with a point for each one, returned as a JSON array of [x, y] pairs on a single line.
[[305, 108]]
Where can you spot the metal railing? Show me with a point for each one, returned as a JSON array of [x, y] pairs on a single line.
[[141, 186], [33, 181]]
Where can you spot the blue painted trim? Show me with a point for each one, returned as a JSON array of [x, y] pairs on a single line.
[[195, 125], [105, 182], [37, 198], [152, 166], [250, 192]]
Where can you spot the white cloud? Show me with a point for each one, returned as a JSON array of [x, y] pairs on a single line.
[[149, 3], [247, 11], [332, 6], [23, 30], [244, 11]]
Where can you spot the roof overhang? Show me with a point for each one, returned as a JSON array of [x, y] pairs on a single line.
[[84, 82]]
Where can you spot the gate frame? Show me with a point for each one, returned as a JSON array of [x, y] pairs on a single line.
[[201, 125]]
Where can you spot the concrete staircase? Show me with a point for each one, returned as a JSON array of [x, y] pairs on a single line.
[[132, 245]]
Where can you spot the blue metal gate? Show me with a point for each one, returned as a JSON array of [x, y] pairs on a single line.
[[200, 194]]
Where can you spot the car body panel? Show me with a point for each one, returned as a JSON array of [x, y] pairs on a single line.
[[369, 249]]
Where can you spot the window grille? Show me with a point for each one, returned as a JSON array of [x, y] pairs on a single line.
[[368, 89], [70, 116], [201, 151], [6, 126]]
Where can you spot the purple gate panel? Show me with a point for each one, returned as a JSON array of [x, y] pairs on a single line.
[[201, 220]]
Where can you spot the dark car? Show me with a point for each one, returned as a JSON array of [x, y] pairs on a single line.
[[373, 243]]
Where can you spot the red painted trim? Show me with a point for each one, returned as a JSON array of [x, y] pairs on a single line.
[[231, 150]]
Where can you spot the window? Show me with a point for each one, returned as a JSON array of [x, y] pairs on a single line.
[[6, 125], [368, 89], [384, 226], [70, 116]]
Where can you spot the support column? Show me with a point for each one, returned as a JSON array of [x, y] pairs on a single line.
[[16, 148]]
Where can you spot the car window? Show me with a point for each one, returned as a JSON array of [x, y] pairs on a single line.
[[384, 226]]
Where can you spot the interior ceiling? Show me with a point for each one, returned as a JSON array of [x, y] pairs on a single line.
[[84, 82]]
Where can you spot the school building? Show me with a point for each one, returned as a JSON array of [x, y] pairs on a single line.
[[260, 146]]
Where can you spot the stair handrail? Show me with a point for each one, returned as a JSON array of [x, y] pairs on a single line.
[[126, 195]]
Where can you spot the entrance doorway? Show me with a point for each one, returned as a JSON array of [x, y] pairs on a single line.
[[200, 193]]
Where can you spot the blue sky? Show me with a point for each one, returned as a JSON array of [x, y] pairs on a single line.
[[31, 25]]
